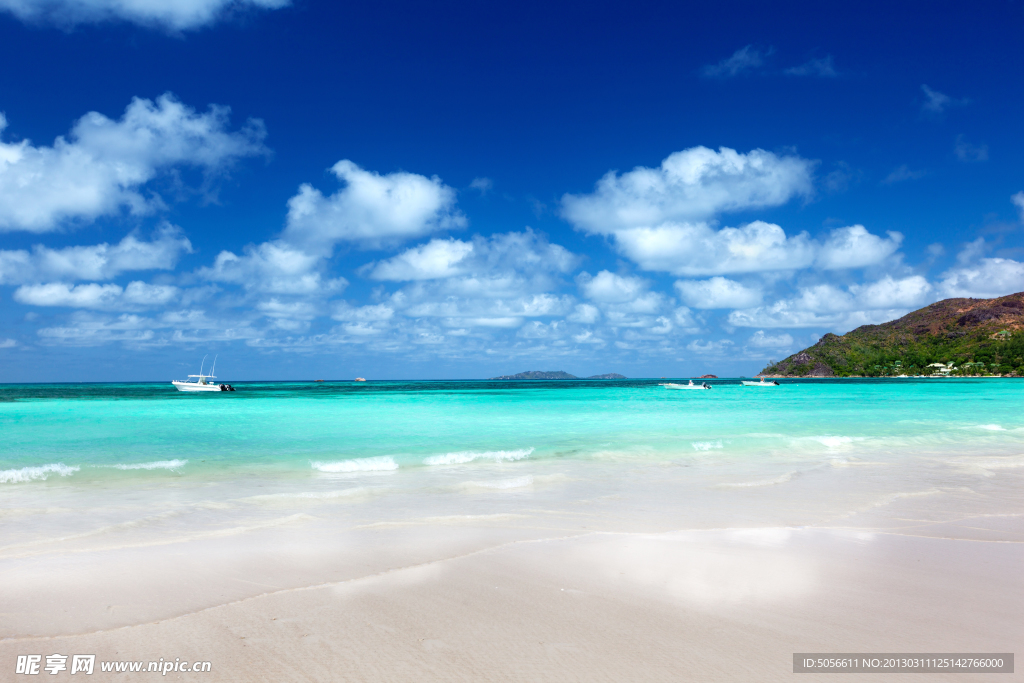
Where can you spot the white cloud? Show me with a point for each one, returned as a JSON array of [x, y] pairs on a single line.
[[937, 102], [97, 262], [607, 287], [659, 217], [482, 185], [438, 258], [372, 210], [7, 343], [498, 281], [586, 314], [86, 328], [691, 185], [976, 276], [965, 151], [822, 68], [831, 307], [275, 267], [378, 313], [746, 58], [1018, 200], [174, 15], [95, 296], [902, 173], [855, 247], [710, 348], [718, 292], [908, 292], [762, 340], [697, 249], [104, 165]]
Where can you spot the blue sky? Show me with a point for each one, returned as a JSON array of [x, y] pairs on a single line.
[[413, 190]]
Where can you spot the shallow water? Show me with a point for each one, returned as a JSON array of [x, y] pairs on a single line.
[[85, 434]]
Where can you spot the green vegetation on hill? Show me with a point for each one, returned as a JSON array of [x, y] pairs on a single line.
[[967, 336], [556, 374], [539, 374]]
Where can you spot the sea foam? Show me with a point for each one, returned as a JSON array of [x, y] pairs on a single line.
[[515, 483], [706, 445], [32, 473], [461, 457], [382, 463], [155, 465], [782, 479]]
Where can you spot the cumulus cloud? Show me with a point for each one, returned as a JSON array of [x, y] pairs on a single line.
[[855, 247], [697, 249], [274, 267], [372, 210], [745, 59], [718, 292], [607, 287], [174, 15], [691, 185], [96, 296], [832, 307], [661, 218], [986, 278], [96, 262], [524, 252], [765, 341], [588, 314], [497, 281], [438, 258], [820, 68], [980, 277], [104, 165]]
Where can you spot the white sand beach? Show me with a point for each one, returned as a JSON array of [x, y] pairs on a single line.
[[659, 573]]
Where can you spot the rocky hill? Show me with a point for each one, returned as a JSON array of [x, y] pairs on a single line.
[[974, 336]]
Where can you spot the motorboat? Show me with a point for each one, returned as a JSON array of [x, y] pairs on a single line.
[[201, 381], [762, 383], [691, 385]]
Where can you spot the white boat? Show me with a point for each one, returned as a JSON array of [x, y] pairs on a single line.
[[762, 383], [691, 385], [200, 382]]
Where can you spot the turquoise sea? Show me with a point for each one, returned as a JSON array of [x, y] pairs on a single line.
[[82, 434]]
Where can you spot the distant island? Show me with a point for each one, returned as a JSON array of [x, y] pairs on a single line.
[[709, 376], [556, 374], [953, 337]]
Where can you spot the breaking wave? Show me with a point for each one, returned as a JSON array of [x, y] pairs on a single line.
[[706, 445], [382, 463], [156, 465], [33, 473], [461, 457]]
